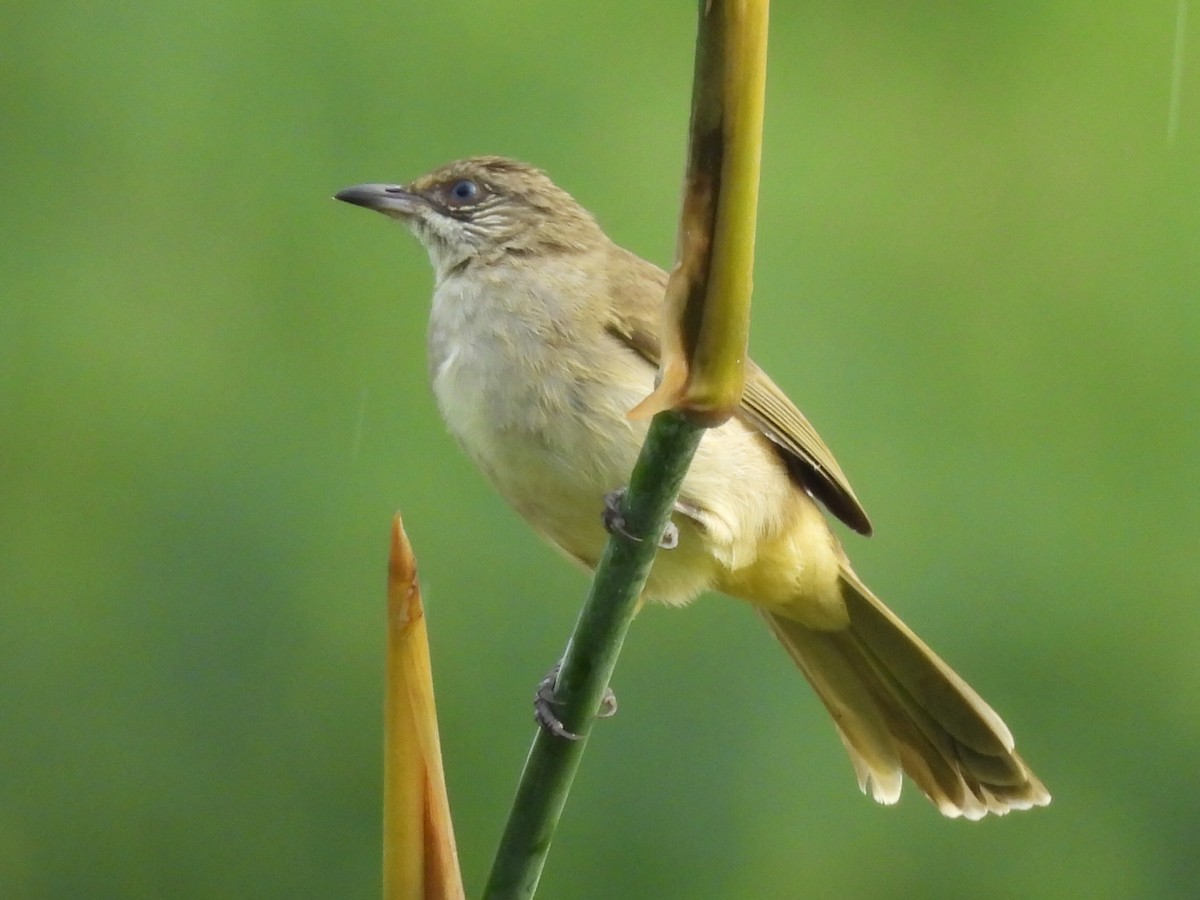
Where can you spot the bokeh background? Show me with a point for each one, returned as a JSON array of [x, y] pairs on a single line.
[[978, 273]]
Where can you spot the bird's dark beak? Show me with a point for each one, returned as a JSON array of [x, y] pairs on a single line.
[[389, 199]]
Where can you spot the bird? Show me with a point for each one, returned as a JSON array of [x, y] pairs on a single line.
[[543, 335]]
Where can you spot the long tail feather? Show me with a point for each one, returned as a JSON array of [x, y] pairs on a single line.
[[899, 708]]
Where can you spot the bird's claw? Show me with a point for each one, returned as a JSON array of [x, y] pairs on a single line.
[[544, 701], [614, 522]]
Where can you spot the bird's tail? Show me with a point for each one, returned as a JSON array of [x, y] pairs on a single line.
[[898, 707]]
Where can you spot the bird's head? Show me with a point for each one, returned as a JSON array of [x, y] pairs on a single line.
[[482, 208]]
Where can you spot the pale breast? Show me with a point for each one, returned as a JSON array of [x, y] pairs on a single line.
[[528, 406], [543, 412]]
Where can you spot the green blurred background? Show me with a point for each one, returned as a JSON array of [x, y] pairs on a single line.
[[978, 273]]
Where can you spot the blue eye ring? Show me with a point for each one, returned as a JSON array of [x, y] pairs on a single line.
[[462, 191]]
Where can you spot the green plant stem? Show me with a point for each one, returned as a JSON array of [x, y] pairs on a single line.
[[592, 654]]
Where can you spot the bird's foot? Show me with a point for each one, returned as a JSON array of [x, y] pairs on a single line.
[[614, 522], [544, 702]]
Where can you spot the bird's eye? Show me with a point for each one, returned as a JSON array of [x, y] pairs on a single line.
[[463, 191]]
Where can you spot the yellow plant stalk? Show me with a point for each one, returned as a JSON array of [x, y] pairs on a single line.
[[707, 306], [420, 861]]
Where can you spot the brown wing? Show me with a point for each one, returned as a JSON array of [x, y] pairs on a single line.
[[767, 409], [809, 461]]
